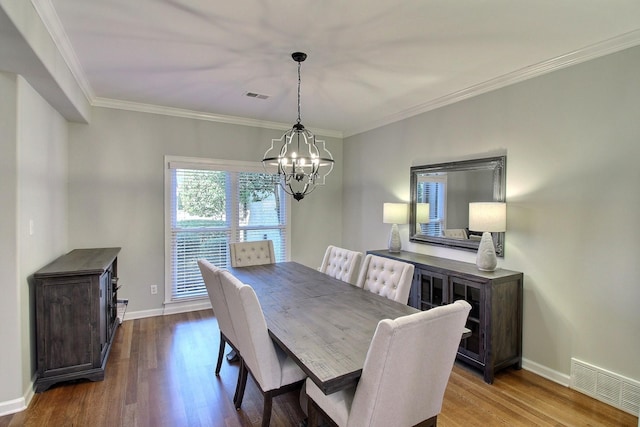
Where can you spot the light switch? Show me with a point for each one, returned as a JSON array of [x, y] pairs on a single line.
[[30, 227]]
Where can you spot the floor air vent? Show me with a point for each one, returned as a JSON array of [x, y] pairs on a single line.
[[616, 390]]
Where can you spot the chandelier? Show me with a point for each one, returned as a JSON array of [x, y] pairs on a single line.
[[298, 161]]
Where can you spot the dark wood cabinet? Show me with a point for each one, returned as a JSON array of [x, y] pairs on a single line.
[[495, 319], [76, 315]]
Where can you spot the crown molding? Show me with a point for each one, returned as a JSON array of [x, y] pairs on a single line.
[[199, 115], [51, 20], [606, 47]]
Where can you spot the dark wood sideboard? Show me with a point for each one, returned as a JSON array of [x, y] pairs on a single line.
[[495, 319], [76, 316]]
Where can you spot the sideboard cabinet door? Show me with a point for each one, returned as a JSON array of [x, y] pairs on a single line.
[[474, 293], [70, 302]]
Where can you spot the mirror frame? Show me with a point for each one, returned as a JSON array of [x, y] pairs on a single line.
[[496, 164]]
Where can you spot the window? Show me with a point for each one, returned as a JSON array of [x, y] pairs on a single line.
[[432, 189], [210, 203]]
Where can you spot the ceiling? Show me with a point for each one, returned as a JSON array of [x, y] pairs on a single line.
[[370, 62]]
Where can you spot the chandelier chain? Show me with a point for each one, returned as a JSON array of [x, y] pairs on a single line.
[[299, 92]]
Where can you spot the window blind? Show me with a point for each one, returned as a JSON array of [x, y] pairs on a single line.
[[210, 208], [432, 190]]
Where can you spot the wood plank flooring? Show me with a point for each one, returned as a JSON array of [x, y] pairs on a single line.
[[160, 373]]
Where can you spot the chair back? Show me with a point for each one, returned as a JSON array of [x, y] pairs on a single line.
[[341, 263], [211, 277], [407, 367], [387, 277], [455, 233], [257, 252], [254, 342]]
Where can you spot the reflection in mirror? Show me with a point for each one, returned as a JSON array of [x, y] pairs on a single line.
[[440, 197]]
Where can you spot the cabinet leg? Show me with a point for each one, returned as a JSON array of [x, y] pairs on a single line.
[[488, 376]]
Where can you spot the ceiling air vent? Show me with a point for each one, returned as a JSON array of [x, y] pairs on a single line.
[[256, 95]]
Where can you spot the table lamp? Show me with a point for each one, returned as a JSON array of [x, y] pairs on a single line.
[[394, 213], [487, 217], [422, 215]]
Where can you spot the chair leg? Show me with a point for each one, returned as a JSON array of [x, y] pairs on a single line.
[[220, 354], [242, 383], [232, 356], [266, 410], [312, 417], [238, 382], [431, 422]]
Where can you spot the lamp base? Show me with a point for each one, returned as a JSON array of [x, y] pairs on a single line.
[[486, 259], [395, 245]]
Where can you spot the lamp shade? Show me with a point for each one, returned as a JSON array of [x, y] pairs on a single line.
[[395, 213], [422, 213], [488, 216]]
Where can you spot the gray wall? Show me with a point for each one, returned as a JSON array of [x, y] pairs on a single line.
[[572, 140], [33, 149], [116, 190]]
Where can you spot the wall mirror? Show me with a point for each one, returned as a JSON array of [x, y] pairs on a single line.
[[440, 197]]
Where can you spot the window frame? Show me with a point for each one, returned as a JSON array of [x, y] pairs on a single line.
[[179, 162]]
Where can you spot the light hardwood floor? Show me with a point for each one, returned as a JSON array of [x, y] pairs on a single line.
[[160, 373]]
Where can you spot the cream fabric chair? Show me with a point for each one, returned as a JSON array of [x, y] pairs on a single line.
[[257, 252], [211, 276], [273, 371], [405, 373], [386, 277], [341, 263]]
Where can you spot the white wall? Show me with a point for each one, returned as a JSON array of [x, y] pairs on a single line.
[[116, 190], [33, 154], [572, 140]]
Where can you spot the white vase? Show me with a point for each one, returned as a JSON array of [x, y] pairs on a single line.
[[486, 259], [394, 239]]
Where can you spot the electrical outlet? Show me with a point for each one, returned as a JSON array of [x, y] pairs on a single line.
[[154, 289]]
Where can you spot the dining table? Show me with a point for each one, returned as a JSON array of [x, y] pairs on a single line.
[[324, 324]]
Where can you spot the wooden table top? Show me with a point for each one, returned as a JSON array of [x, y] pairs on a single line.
[[324, 324]]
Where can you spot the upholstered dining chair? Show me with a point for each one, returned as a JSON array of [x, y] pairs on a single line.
[[341, 263], [211, 276], [256, 252], [387, 277], [273, 371], [398, 388]]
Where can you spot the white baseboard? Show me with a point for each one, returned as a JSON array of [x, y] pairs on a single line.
[[12, 406], [9, 407], [187, 306], [545, 372], [132, 315], [174, 308]]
